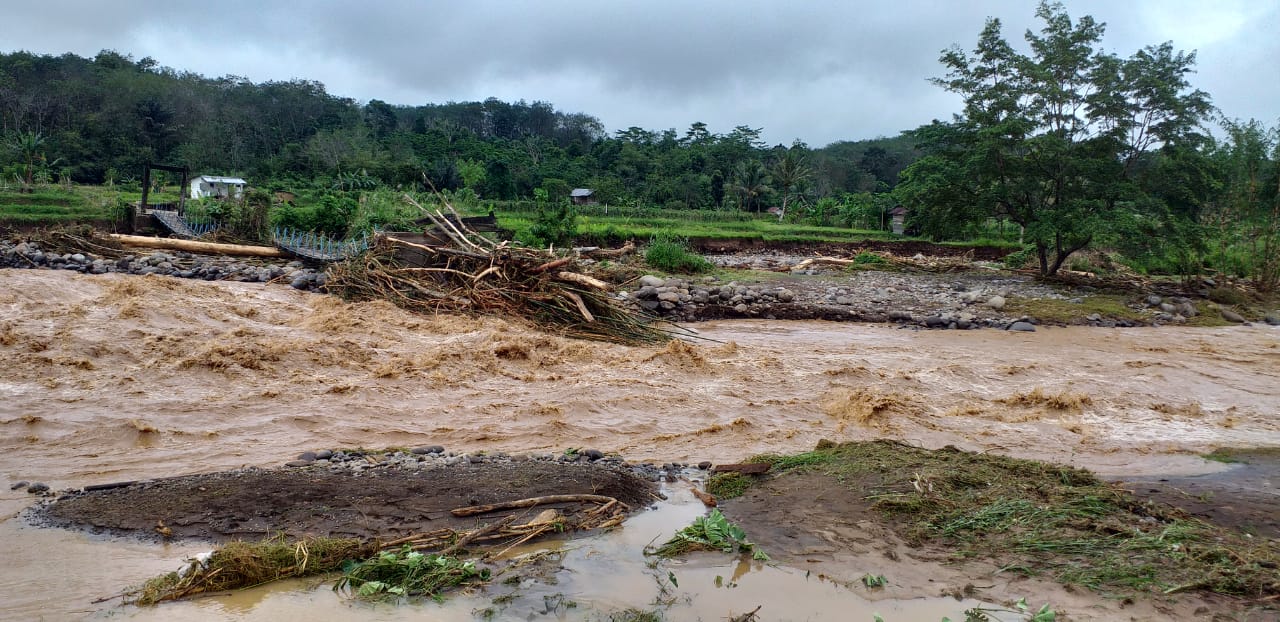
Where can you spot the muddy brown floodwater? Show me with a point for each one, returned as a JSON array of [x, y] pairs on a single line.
[[112, 377]]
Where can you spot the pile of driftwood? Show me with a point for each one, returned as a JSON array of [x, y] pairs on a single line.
[[917, 263], [240, 565], [74, 239], [456, 269], [608, 512]]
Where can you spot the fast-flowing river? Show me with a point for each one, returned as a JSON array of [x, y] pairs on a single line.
[[111, 378]]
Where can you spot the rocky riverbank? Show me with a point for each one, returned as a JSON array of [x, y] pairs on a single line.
[[976, 298], [177, 264], [960, 302]]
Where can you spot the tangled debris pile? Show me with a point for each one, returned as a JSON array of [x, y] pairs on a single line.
[[473, 274], [239, 565]]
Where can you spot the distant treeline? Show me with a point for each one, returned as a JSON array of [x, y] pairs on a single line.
[[96, 120]]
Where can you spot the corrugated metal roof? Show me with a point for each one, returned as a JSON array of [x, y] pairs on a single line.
[[221, 180], [581, 192]]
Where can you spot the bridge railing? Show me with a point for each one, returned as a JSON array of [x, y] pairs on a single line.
[[319, 247]]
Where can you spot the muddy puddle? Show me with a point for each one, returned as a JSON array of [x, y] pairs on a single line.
[[115, 377], [584, 579]]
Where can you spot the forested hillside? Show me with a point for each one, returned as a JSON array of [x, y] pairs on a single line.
[[100, 119], [1063, 147]]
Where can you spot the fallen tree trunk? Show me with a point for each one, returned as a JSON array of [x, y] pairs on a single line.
[[595, 252], [193, 246]]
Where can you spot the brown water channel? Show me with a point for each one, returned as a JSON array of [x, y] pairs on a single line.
[[582, 580], [115, 378]]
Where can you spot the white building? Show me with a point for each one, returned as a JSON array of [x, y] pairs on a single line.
[[217, 187]]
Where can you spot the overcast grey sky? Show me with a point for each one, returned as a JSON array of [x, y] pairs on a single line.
[[817, 71]]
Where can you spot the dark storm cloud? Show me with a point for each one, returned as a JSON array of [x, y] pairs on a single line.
[[815, 71]]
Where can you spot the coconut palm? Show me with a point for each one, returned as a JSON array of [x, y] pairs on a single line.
[[750, 183], [789, 172]]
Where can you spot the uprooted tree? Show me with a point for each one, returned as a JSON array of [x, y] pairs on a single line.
[[1057, 140]]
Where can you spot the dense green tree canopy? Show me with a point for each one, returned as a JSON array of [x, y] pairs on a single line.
[[104, 117], [1056, 140]]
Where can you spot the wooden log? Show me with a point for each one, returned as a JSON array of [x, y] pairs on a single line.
[[550, 265], [706, 498], [441, 250], [487, 529], [582, 279], [753, 468], [596, 252], [528, 503], [582, 306], [834, 261], [193, 246]]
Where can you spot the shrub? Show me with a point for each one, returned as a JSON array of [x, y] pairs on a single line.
[[671, 254], [556, 225], [1019, 259], [869, 259], [331, 216]]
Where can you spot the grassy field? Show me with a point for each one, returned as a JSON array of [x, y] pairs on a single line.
[[50, 206], [614, 229], [59, 205]]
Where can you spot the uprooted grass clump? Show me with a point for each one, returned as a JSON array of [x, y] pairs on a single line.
[[729, 485], [406, 572], [413, 565], [1043, 519], [246, 564], [713, 532]]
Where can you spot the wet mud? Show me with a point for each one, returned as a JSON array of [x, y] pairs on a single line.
[[375, 504], [1244, 497]]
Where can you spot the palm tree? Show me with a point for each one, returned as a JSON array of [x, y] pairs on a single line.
[[28, 147], [789, 172], [751, 182]]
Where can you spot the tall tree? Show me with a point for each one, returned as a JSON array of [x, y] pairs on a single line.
[[789, 172], [1246, 213], [1052, 139]]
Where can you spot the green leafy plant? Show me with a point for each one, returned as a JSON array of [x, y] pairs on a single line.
[[555, 225], [874, 580], [669, 253], [983, 614], [395, 574], [865, 258], [1019, 259], [713, 532]]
